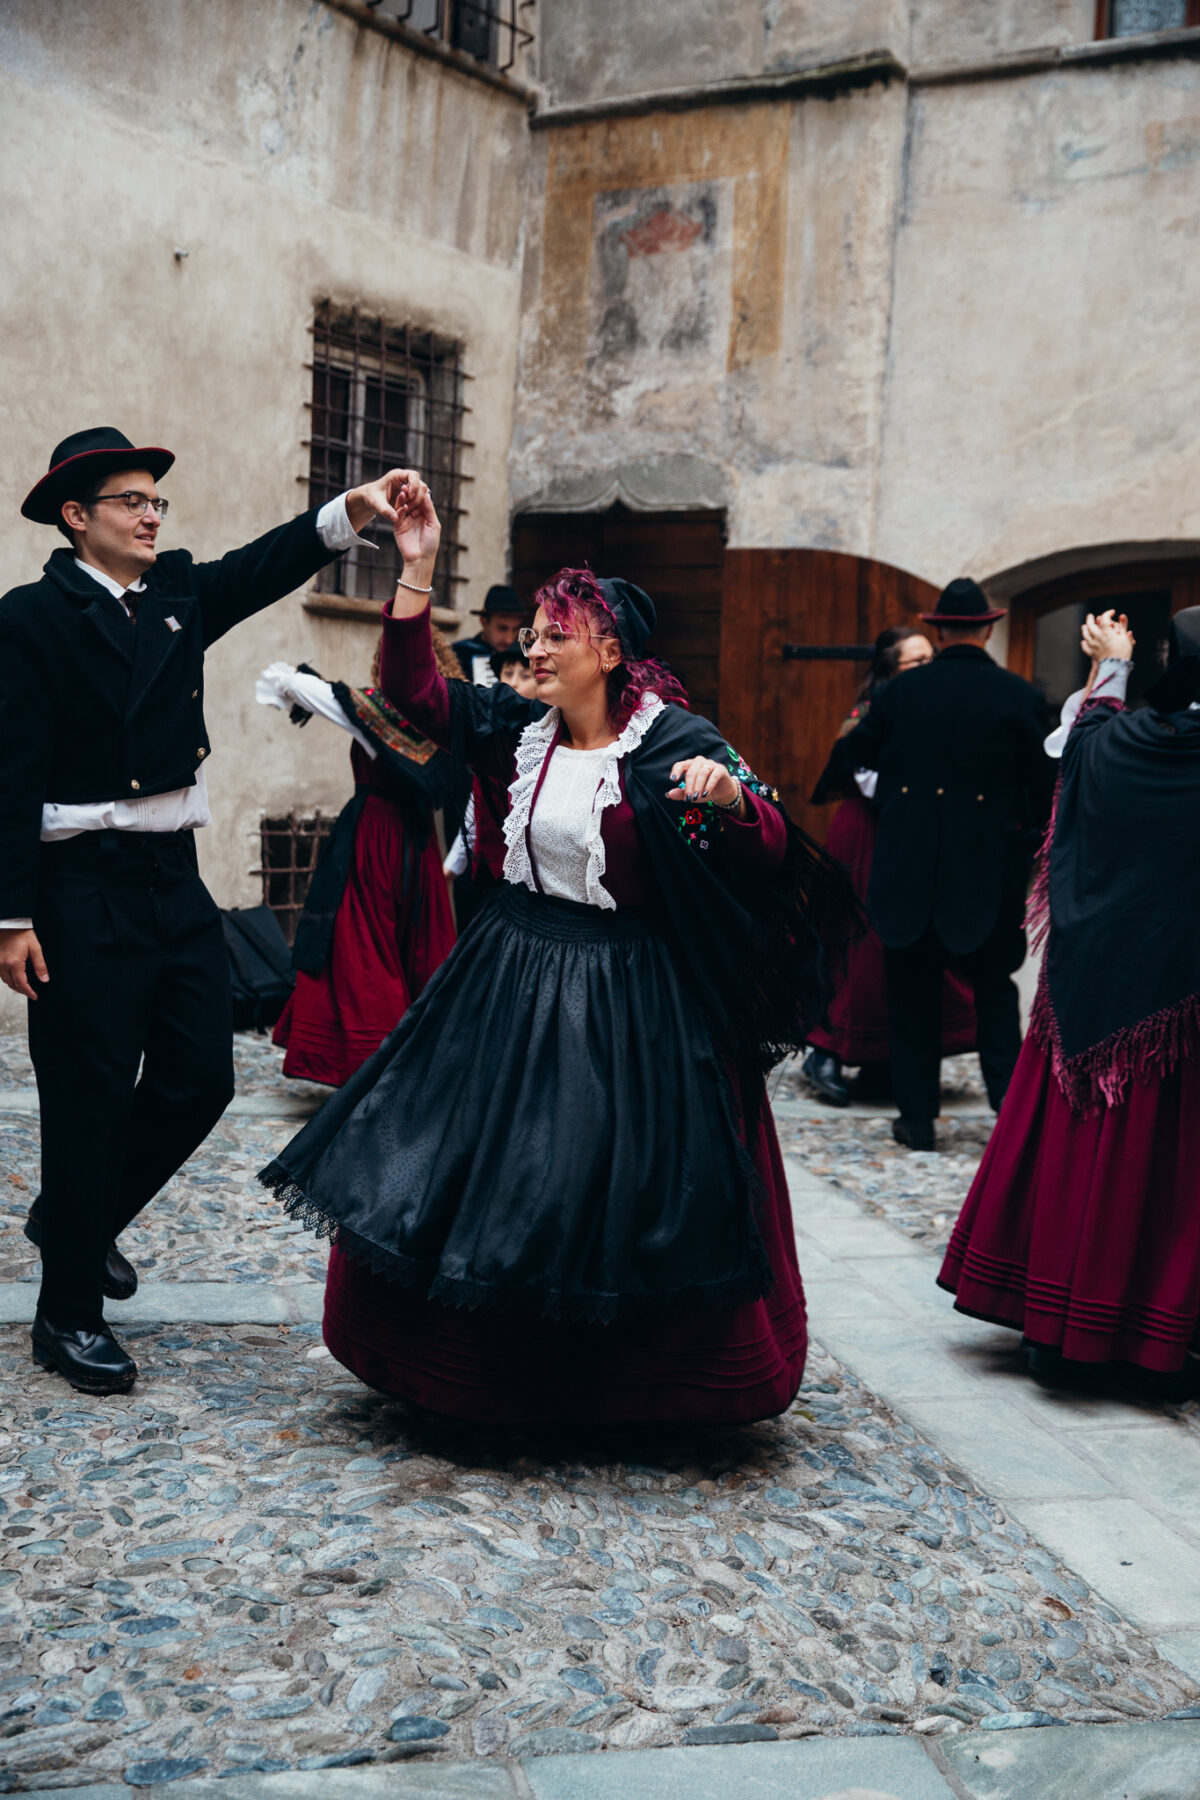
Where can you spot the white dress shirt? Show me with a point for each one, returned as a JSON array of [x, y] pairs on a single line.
[[183, 809]]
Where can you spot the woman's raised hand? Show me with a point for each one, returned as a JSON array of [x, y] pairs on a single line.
[[417, 528], [1107, 635]]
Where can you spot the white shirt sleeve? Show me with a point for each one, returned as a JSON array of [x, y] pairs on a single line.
[[282, 686], [1112, 679], [16, 924], [334, 528]]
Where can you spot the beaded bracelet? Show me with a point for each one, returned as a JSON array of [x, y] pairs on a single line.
[[414, 590], [730, 805]]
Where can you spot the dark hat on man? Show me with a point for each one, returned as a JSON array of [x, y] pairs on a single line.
[[634, 613], [501, 599], [963, 602], [83, 458]]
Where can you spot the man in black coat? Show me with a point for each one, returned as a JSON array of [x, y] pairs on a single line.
[[965, 788], [501, 617], [105, 925]]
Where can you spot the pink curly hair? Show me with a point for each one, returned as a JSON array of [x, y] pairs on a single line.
[[573, 598]]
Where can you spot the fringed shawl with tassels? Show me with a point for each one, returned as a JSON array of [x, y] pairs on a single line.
[[1117, 903]]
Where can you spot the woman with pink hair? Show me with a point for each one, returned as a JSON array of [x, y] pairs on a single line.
[[555, 1192]]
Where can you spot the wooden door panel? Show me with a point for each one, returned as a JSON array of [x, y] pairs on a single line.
[[784, 716], [678, 558]]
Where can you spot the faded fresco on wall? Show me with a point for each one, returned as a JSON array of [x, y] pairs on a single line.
[[661, 270]]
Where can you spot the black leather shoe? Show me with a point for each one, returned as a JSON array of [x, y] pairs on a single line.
[[120, 1277], [914, 1134], [823, 1073], [92, 1361]]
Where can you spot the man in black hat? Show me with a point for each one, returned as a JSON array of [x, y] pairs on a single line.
[[964, 790], [502, 616], [105, 925]]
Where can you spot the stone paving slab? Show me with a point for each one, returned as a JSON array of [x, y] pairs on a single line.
[[23, 1103], [188, 1303], [1091, 1762], [884, 1768], [1106, 1481]]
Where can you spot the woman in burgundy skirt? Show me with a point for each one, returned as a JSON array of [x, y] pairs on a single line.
[[854, 1031], [1082, 1228], [377, 920], [555, 1193]]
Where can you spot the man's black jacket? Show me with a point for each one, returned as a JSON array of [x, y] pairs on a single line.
[[964, 788], [94, 707]]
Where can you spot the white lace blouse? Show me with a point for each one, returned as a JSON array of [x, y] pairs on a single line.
[[566, 832], [562, 821]]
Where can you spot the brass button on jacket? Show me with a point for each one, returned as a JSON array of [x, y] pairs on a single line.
[[135, 785]]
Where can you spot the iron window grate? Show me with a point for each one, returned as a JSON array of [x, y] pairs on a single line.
[[290, 849], [383, 397], [489, 30]]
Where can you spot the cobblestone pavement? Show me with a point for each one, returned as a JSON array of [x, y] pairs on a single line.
[[213, 1222], [256, 1563]]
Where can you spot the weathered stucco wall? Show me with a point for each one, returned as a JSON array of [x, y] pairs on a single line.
[[706, 313], [294, 155], [952, 326], [1044, 368]]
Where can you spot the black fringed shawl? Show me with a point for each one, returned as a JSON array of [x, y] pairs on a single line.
[[1117, 903], [763, 947]]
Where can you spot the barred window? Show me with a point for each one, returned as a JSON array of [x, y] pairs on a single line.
[[1130, 18], [290, 848], [492, 31], [386, 397]]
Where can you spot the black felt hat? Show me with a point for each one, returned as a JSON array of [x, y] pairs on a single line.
[[963, 602], [82, 458], [1180, 685], [501, 599], [634, 613]]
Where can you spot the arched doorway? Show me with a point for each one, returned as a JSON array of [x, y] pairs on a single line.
[[1045, 617]]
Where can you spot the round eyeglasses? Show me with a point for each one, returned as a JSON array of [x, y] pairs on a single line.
[[135, 503], [551, 639]]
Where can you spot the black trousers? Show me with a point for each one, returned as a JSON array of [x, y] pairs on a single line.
[[139, 978], [914, 1004]]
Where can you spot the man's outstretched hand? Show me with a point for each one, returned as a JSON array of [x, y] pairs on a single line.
[[19, 949], [381, 499]]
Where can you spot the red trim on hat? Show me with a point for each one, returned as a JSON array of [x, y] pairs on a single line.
[[123, 458], [983, 618]]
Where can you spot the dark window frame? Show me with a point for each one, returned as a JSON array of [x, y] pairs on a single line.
[[1104, 17], [290, 847], [488, 30], [386, 396]]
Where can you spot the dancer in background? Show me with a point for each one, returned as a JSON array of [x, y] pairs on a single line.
[[475, 860], [501, 617], [964, 792], [1082, 1227], [855, 1030], [557, 1192], [377, 919]]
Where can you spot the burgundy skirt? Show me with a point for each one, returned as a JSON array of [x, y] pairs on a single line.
[[388, 938], [856, 1027], [1084, 1233], [715, 1368]]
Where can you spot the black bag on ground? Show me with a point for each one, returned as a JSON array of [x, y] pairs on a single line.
[[260, 966]]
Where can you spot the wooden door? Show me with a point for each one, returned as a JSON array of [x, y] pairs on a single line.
[[677, 557], [783, 714]]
